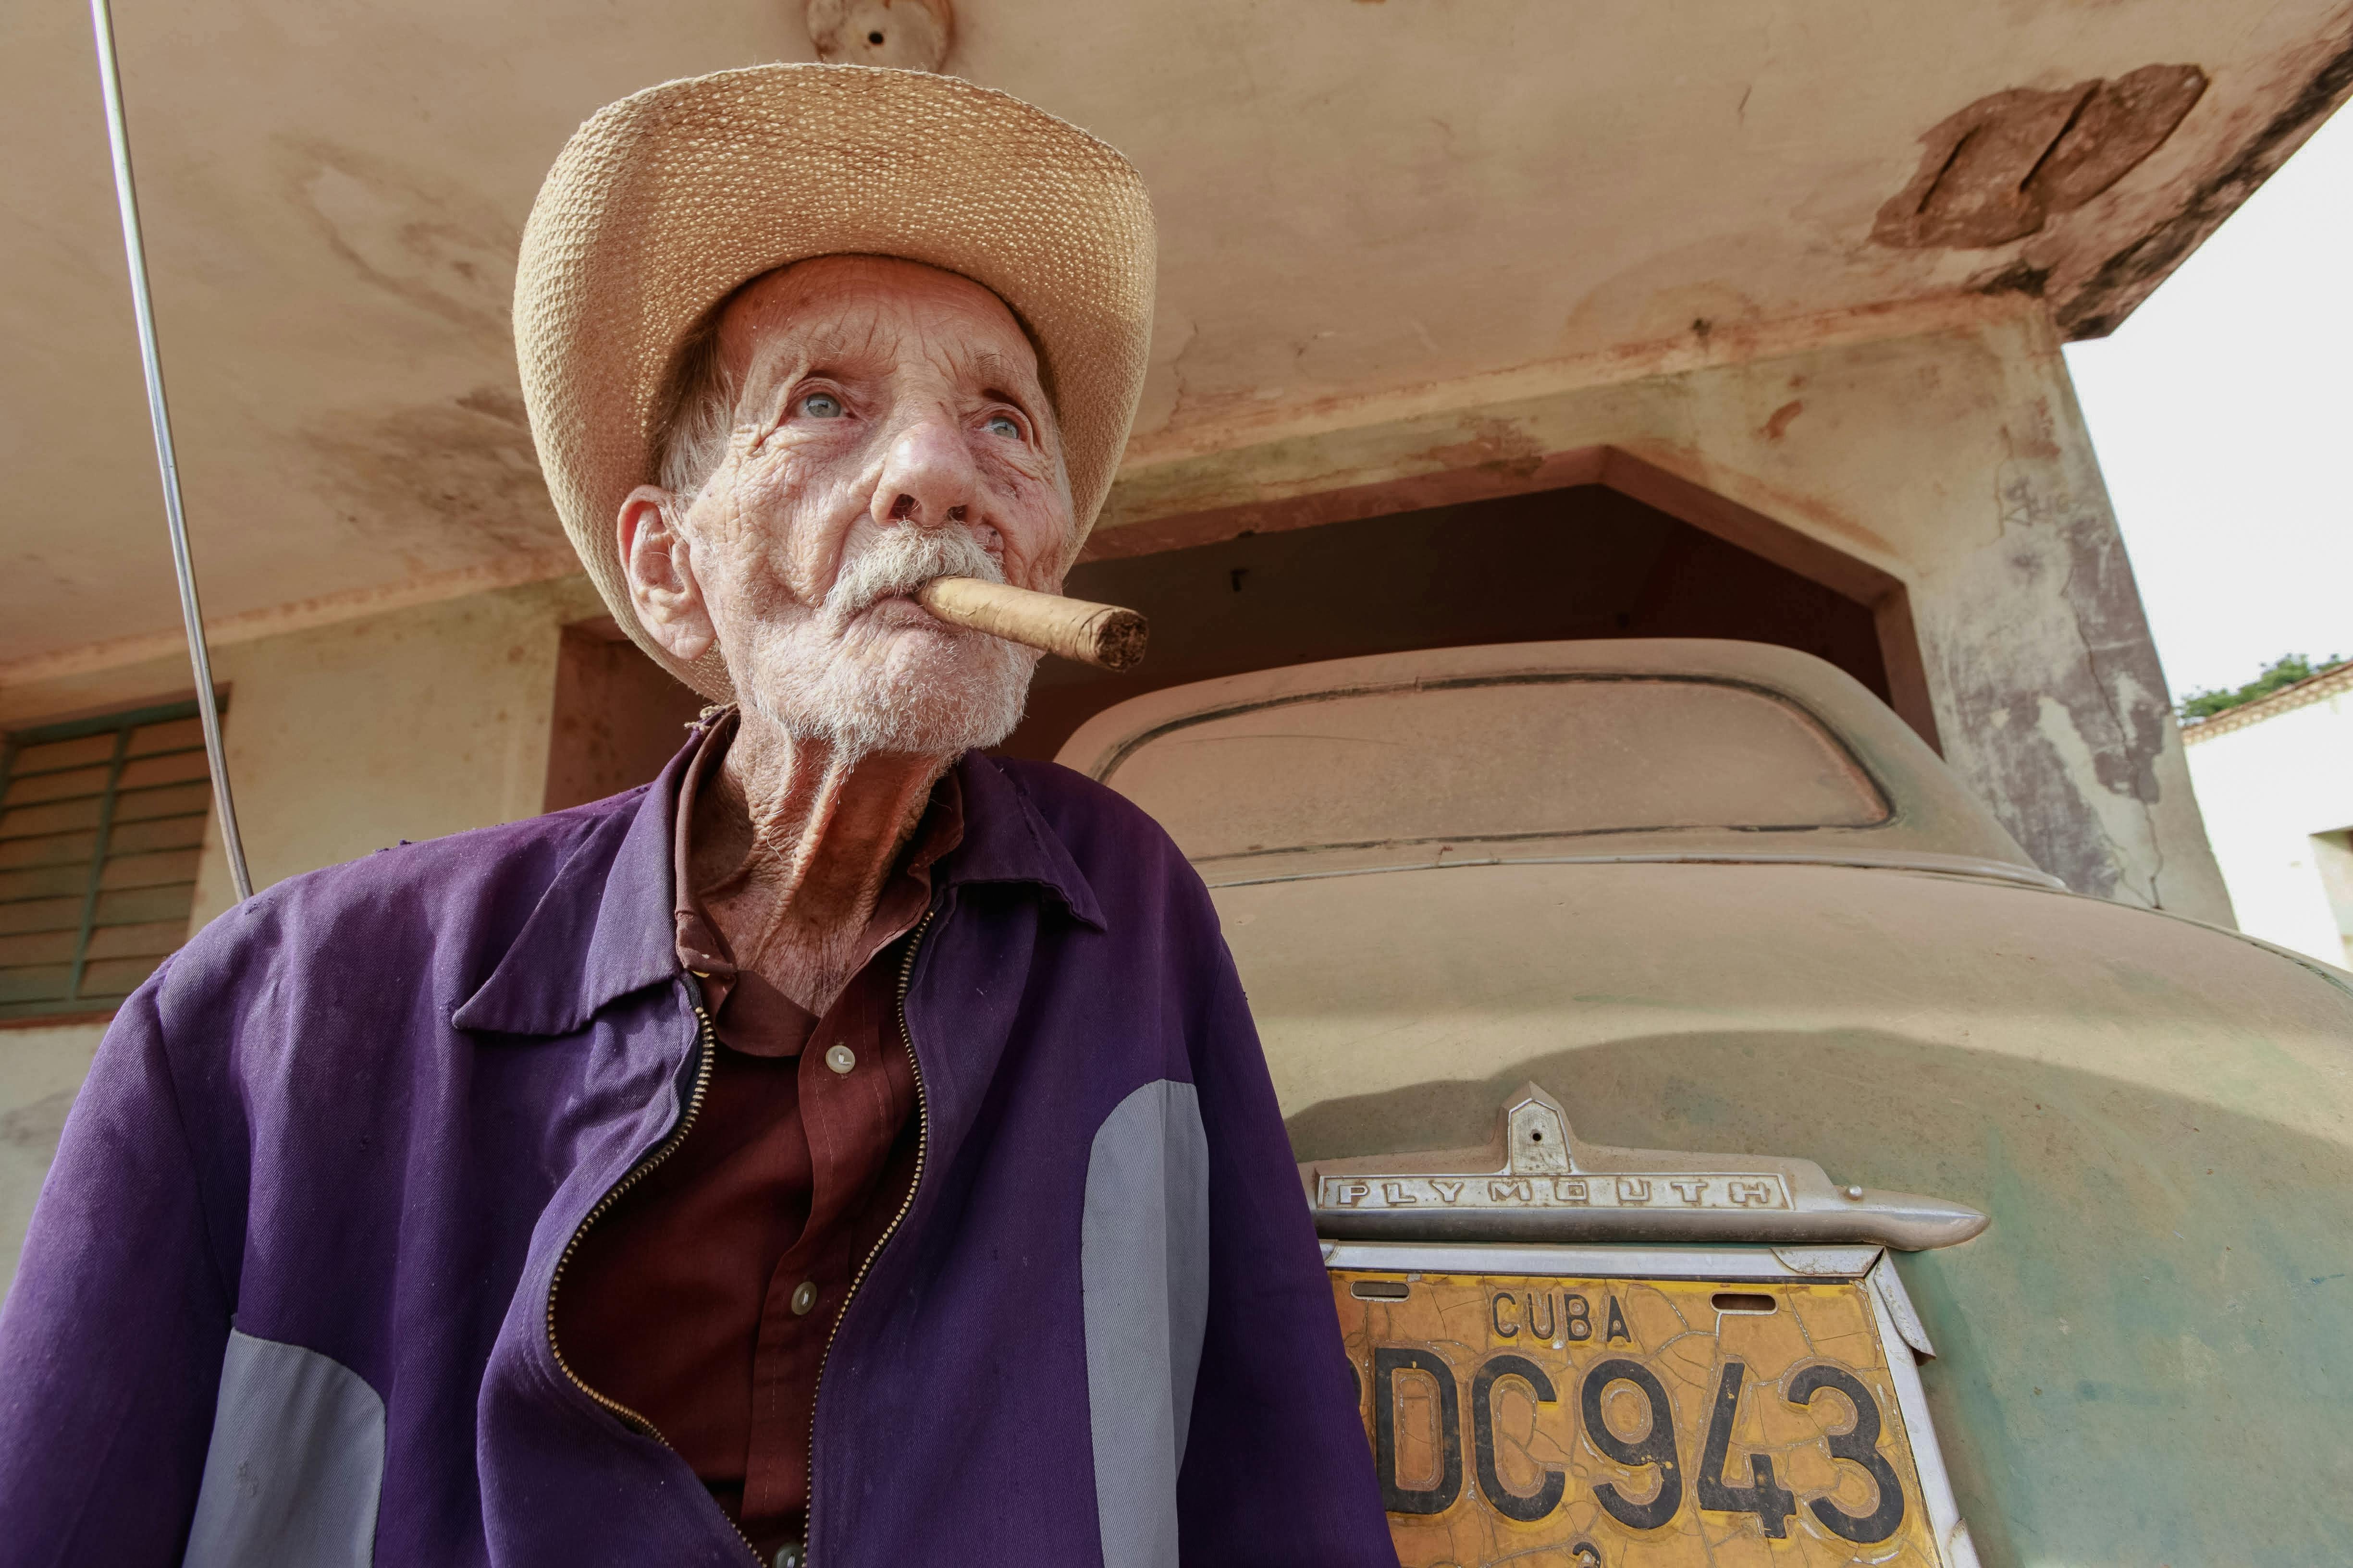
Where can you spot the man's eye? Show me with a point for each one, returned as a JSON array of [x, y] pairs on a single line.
[[822, 405], [1005, 425]]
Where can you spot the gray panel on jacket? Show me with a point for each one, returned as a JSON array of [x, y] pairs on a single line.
[[1144, 1264], [296, 1462]]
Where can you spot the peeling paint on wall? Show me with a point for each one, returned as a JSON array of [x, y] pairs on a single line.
[[2044, 658]]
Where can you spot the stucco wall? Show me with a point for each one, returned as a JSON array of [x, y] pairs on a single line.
[[341, 740], [415, 724], [2278, 796], [1952, 458]]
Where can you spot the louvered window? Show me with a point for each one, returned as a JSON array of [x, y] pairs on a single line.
[[101, 823]]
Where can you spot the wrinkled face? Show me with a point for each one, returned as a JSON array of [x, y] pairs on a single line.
[[888, 426]]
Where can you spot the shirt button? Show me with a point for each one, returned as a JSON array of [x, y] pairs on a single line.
[[804, 1298], [840, 1059]]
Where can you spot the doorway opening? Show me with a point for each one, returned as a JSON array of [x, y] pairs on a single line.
[[1586, 561], [618, 716]]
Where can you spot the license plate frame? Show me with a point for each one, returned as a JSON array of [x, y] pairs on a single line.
[[1855, 1289]]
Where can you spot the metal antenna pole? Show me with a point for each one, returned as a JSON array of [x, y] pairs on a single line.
[[134, 250]]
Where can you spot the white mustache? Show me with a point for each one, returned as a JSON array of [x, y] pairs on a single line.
[[900, 561]]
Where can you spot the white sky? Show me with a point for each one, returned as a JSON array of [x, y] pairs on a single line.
[[2223, 411]]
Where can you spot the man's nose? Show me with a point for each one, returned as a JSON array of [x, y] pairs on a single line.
[[928, 478]]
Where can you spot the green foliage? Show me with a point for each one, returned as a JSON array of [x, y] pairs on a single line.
[[2286, 670]]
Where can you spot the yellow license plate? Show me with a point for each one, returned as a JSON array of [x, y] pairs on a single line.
[[1618, 1423]]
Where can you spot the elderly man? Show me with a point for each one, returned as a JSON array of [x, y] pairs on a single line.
[[849, 1147]]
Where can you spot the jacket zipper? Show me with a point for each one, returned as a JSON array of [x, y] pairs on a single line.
[[706, 1041], [923, 1140]]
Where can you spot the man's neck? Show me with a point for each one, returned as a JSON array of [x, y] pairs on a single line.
[[789, 848]]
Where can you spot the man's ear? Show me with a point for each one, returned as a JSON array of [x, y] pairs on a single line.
[[659, 561]]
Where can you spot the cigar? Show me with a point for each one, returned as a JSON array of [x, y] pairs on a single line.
[[1101, 635]]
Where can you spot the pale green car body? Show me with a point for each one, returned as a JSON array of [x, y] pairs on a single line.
[[2146, 1359]]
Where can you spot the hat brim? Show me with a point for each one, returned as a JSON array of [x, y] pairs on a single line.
[[664, 204]]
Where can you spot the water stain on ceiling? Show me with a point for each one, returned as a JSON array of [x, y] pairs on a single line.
[[443, 484], [427, 241]]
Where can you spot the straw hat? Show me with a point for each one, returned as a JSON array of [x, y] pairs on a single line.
[[663, 204]]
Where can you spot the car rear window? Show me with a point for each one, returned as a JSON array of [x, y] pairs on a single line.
[[1492, 758]]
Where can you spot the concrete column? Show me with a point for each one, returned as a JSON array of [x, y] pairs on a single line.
[[2041, 657]]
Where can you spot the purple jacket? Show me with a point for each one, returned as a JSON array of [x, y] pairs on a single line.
[[286, 1296]]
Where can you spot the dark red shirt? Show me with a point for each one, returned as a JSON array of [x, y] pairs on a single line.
[[704, 1300]]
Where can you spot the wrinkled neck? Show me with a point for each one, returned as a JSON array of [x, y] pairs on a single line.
[[792, 840]]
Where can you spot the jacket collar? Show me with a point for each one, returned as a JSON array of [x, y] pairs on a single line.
[[602, 930], [606, 924], [1007, 839]]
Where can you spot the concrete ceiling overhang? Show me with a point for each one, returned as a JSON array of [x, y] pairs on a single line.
[[1354, 197]]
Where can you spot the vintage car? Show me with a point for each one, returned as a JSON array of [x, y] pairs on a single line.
[[2077, 1287]]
